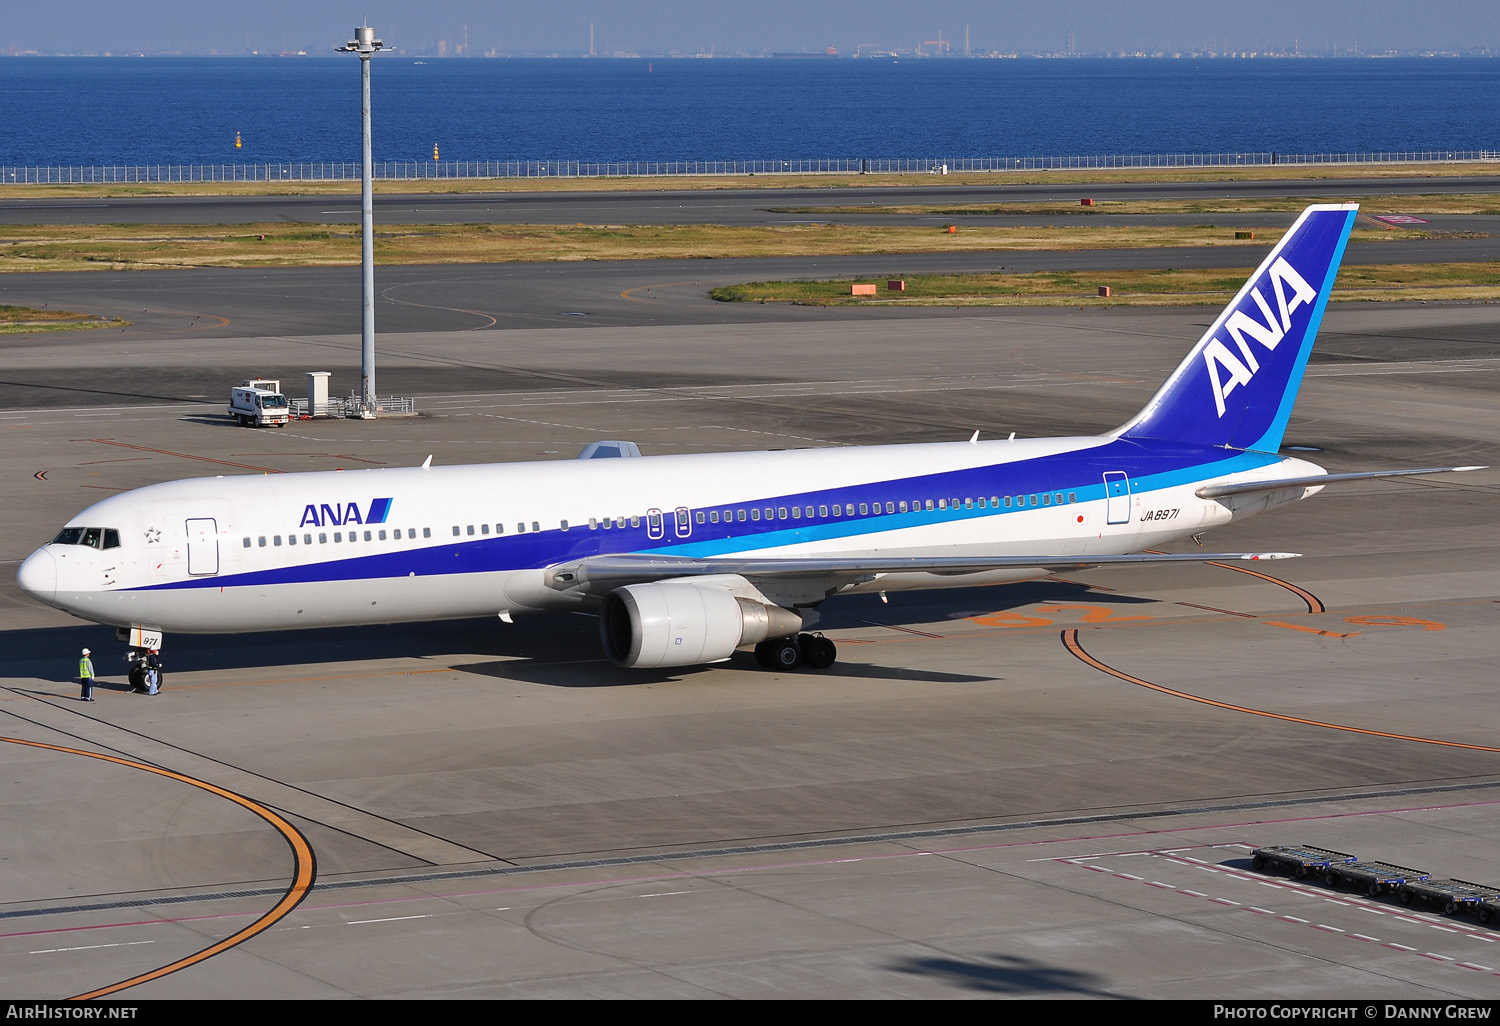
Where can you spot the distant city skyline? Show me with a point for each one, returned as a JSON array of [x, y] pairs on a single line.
[[453, 28]]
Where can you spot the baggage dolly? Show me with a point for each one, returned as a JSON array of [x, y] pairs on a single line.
[[1299, 860], [1374, 877], [1453, 895]]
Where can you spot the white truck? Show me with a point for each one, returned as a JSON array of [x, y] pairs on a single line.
[[257, 402]]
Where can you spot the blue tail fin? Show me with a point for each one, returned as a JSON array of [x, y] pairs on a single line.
[[1236, 388]]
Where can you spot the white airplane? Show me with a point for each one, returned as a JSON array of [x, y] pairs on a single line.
[[687, 558]]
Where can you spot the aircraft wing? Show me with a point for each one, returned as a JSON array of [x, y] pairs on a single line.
[[603, 573], [1276, 484]]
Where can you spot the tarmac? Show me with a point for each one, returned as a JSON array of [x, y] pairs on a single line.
[[1041, 790]]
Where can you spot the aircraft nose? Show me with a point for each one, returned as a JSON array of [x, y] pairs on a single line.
[[38, 576]]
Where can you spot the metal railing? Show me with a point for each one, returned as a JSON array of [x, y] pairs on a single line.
[[352, 406], [459, 169]]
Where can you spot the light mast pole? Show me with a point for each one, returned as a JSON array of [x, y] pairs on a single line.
[[365, 44]]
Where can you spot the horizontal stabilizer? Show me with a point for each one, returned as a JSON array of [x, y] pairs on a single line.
[[1219, 491]]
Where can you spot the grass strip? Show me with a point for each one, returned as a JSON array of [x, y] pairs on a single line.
[[17, 320], [1146, 287]]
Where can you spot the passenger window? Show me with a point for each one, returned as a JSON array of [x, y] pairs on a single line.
[[471, 531], [929, 504], [635, 521], [307, 539], [322, 538], [1072, 497], [564, 525], [902, 507], [755, 514], [822, 511], [1046, 499], [382, 535], [942, 504], [338, 536], [713, 516], [247, 541], [426, 532], [849, 509], [781, 513], [456, 532], [796, 512], [701, 518], [740, 516], [276, 541], [484, 528], [1033, 500], [262, 541]]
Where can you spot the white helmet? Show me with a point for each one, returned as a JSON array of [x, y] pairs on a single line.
[[85, 651]]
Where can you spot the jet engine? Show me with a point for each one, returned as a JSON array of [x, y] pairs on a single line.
[[676, 623]]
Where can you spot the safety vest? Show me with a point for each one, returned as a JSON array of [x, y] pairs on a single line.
[[85, 667]]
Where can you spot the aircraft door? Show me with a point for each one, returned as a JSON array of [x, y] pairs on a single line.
[[1117, 497], [203, 546]]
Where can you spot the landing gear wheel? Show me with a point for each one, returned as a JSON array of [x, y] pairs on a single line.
[[785, 653], [817, 651], [763, 653]]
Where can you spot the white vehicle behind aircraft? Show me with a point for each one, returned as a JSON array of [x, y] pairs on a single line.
[[257, 402], [686, 558]]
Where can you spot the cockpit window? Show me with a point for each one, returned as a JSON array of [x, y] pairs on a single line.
[[93, 537]]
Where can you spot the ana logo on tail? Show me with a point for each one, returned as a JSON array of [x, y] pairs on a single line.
[[1284, 279]]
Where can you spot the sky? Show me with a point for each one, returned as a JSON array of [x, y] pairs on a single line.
[[653, 27]]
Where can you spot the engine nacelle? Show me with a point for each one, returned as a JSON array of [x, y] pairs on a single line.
[[683, 623]]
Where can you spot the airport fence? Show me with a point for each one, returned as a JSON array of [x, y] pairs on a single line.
[[405, 170]]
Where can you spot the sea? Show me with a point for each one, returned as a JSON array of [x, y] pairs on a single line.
[[111, 111]]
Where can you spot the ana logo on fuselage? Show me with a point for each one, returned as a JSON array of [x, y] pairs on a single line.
[[1292, 291], [337, 514]]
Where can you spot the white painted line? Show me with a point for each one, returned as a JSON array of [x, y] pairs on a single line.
[[90, 947], [393, 919]]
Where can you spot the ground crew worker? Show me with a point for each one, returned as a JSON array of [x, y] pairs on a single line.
[[86, 677]]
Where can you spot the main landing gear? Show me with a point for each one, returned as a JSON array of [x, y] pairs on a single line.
[[791, 652]]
